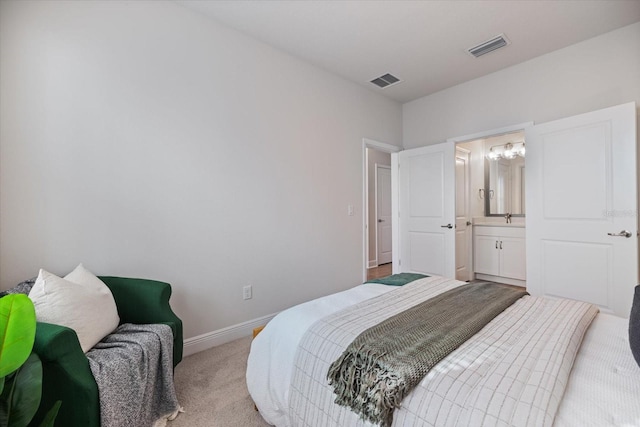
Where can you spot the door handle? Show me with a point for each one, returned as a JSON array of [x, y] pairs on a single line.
[[447, 226], [381, 220], [623, 233]]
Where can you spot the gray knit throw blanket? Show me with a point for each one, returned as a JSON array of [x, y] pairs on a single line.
[[385, 362], [133, 367]]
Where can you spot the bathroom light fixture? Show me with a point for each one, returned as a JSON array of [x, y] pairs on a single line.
[[510, 150]]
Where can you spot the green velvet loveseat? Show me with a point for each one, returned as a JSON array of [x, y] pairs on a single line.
[[66, 373]]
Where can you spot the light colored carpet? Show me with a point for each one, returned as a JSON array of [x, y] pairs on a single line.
[[212, 389]]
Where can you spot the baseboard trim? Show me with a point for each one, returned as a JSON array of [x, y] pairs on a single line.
[[222, 336]]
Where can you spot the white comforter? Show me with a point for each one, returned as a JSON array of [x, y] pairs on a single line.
[[272, 358]]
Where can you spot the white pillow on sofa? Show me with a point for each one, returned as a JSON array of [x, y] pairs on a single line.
[[80, 301]]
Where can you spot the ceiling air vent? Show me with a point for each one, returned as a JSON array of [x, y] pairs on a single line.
[[489, 46], [386, 80]]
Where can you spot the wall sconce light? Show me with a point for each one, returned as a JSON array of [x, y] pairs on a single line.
[[510, 150]]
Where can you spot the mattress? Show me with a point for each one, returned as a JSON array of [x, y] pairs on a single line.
[[603, 388]]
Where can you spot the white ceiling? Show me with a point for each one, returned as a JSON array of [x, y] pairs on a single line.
[[423, 43]]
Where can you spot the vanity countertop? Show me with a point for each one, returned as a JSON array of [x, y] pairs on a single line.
[[517, 222], [498, 224]]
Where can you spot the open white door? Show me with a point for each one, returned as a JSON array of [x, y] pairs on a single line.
[[427, 210], [582, 208], [463, 216]]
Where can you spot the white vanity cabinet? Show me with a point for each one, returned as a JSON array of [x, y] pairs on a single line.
[[499, 253]]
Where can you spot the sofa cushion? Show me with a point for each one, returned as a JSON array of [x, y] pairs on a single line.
[[80, 301]]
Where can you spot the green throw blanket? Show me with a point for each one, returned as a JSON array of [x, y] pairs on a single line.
[[385, 362], [400, 279]]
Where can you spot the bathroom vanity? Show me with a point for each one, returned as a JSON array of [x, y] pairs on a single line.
[[499, 251]]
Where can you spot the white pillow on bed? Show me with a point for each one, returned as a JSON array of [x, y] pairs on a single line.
[[80, 301]]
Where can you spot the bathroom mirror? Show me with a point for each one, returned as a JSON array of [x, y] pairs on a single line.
[[504, 187]]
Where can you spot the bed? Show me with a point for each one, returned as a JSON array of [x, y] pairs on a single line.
[[592, 380]]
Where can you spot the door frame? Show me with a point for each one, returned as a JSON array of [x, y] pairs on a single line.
[[386, 148], [480, 135], [490, 132]]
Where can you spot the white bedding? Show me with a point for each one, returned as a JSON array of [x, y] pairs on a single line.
[[597, 368], [271, 359], [604, 386]]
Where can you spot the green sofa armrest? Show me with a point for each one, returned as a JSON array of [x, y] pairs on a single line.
[[143, 301], [66, 377]]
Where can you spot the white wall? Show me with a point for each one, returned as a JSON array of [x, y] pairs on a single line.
[[594, 74], [146, 140]]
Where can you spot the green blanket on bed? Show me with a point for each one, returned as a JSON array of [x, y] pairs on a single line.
[[400, 279], [386, 361]]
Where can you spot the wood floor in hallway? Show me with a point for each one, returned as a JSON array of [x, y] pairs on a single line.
[[383, 270]]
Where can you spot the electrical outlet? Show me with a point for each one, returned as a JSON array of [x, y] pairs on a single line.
[[247, 292]]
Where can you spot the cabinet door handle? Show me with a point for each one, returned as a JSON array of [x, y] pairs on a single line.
[[496, 244], [500, 244]]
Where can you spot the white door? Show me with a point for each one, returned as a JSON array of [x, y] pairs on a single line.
[[383, 213], [427, 210], [581, 194], [463, 231]]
